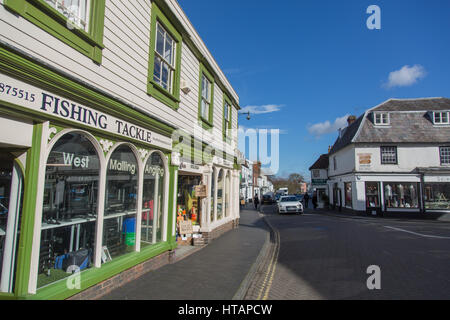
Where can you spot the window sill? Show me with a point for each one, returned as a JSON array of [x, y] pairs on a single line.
[[205, 123], [162, 95]]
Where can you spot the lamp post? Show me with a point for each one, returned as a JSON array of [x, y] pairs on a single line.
[[247, 113]]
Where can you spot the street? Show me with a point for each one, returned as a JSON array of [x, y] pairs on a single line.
[[322, 256]]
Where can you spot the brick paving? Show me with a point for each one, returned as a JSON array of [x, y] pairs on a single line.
[[216, 272]]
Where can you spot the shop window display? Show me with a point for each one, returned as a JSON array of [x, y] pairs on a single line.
[[213, 191], [437, 196], [153, 200], [401, 195], [11, 194], [227, 195], [119, 225], [188, 208], [348, 194], [372, 195], [69, 208], [220, 194]]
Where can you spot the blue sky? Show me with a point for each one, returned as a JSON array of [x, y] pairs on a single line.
[[316, 61]]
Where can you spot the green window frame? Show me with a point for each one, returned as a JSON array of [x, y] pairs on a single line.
[[46, 17], [206, 123], [169, 97], [227, 104]]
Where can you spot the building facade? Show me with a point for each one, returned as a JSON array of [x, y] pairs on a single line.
[[118, 142], [319, 180], [247, 181], [394, 158]]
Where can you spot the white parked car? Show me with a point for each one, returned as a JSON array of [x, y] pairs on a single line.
[[290, 204]]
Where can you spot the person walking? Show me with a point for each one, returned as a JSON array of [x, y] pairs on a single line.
[[314, 200], [256, 201], [306, 199]]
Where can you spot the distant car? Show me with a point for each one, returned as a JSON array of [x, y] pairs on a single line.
[[290, 204], [268, 198]]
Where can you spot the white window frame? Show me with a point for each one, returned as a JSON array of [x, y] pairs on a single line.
[[444, 159], [227, 117], [75, 18], [206, 100], [163, 61], [384, 119], [389, 151], [441, 116]]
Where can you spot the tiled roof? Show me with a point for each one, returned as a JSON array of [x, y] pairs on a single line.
[[409, 122], [321, 163]]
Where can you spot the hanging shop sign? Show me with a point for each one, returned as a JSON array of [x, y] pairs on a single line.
[[200, 191], [30, 97], [185, 227]]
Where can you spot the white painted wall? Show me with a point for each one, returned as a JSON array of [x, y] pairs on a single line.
[[124, 69], [409, 157], [345, 159]]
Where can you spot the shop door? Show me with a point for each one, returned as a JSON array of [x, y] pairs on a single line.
[[373, 203], [11, 188]]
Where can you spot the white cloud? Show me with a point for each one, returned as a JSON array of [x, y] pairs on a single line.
[[406, 76], [322, 128], [269, 108]]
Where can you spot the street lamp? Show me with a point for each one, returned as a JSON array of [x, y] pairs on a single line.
[[247, 113]]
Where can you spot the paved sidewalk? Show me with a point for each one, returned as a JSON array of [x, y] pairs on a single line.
[[216, 272]]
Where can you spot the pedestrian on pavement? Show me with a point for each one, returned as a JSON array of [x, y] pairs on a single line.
[[256, 201], [306, 199], [242, 203], [314, 200]]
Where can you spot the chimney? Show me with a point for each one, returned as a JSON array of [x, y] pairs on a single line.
[[329, 149], [351, 119]]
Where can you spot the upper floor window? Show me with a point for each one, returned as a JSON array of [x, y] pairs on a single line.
[[77, 23], [388, 155], [381, 119], [206, 98], [316, 174], [76, 11], [164, 62], [164, 70], [445, 155], [441, 117], [334, 163]]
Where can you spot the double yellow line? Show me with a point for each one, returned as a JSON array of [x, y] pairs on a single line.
[[268, 279]]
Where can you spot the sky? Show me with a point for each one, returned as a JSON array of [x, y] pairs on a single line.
[[303, 66]]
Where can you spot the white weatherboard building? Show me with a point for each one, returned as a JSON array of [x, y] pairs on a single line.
[[394, 158], [116, 142]]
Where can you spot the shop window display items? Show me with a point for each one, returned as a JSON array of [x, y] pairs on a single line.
[[119, 224], [153, 200], [401, 195], [437, 196], [188, 205], [69, 208]]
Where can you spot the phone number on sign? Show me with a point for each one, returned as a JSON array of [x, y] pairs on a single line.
[[16, 92]]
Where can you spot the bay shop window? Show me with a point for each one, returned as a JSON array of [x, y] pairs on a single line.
[[70, 205]]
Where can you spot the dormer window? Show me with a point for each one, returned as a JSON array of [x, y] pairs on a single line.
[[441, 117], [381, 119]]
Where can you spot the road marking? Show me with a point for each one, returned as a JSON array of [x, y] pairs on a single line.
[[267, 283], [417, 234]]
